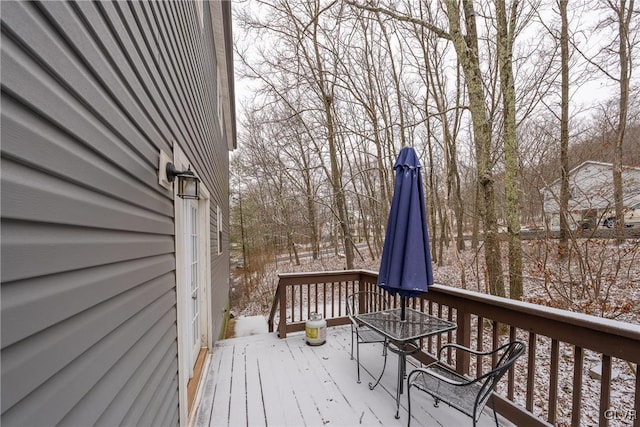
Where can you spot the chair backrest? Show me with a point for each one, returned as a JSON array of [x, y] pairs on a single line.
[[366, 302], [508, 354]]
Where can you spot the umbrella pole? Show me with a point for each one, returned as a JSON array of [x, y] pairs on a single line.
[[403, 303]]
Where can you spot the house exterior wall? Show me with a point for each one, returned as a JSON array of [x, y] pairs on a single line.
[[591, 188], [91, 93]]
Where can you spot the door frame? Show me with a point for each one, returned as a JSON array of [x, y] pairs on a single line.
[[183, 289]]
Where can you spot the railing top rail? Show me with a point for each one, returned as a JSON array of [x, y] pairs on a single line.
[[322, 274], [317, 277], [600, 324]]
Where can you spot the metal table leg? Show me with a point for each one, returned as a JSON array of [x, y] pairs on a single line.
[[402, 360], [402, 351]]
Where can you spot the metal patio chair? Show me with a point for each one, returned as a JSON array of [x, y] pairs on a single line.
[[365, 302], [466, 394]]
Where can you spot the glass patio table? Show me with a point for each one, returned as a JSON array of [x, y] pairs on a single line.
[[404, 336]]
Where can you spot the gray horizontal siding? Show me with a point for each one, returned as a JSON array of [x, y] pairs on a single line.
[[195, 98], [93, 341], [91, 92], [61, 296], [218, 168], [33, 140], [133, 371], [62, 248]]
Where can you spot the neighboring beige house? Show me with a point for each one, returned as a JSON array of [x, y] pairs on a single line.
[[590, 193]]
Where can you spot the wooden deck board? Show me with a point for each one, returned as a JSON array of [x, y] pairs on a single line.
[[265, 381]]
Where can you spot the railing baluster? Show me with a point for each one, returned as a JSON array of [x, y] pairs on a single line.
[[293, 303], [512, 371], [333, 297], [495, 341], [316, 297], [449, 336], [348, 289], [605, 390], [578, 359], [324, 299], [439, 339], [421, 309], [309, 302], [636, 411], [553, 381], [299, 305], [282, 323], [479, 345], [463, 321], [430, 340], [531, 371]]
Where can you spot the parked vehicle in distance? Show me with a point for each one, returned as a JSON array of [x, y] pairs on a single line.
[[588, 220], [631, 217], [587, 223]]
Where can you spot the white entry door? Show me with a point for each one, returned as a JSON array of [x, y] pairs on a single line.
[[193, 279]]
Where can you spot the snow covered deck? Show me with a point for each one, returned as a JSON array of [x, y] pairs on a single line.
[[263, 380]]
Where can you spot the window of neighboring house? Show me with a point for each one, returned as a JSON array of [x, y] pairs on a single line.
[[219, 228]]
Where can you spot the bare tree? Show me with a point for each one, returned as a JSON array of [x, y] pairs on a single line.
[[309, 60], [563, 247], [466, 47], [506, 34], [623, 13]]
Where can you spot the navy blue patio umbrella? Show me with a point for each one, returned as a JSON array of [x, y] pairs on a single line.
[[405, 267]]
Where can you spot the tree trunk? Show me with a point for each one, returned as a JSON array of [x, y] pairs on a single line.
[[311, 209], [506, 34], [624, 13], [467, 50], [563, 247], [336, 173]]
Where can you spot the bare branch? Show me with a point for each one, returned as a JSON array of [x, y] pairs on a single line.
[[436, 30]]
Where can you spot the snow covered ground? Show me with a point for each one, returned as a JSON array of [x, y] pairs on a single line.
[[262, 380], [245, 326]]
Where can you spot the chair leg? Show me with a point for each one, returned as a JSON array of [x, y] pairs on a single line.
[[358, 358], [384, 366], [408, 404], [352, 343]]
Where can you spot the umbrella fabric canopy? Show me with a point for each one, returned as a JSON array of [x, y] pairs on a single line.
[[405, 267]]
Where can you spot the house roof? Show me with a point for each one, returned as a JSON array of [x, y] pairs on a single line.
[[588, 163]]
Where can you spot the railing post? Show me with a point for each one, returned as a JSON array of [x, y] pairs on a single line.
[[361, 285], [361, 288], [274, 306], [463, 337], [282, 322]]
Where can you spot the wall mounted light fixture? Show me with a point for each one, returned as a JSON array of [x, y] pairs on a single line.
[[188, 182]]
